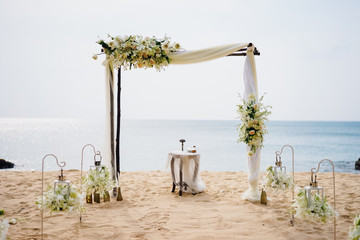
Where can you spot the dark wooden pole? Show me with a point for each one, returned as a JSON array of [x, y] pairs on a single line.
[[118, 124], [119, 196]]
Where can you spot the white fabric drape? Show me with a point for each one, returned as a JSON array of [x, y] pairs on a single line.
[[190, 170], [196, 56], [109, 86], [250, 81]]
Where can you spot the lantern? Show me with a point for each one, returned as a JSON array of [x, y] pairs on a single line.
[[279, 167], [98, 167], [61, 180], [315, 188]]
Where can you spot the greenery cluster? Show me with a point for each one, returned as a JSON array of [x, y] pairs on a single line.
[[138, 52]]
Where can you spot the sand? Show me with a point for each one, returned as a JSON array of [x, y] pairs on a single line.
[[150, 211]]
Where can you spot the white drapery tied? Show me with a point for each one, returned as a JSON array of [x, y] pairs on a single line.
[[207, 54], [250, 81]]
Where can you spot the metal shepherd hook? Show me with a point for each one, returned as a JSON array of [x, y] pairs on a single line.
[[61, 165], [333, 170]]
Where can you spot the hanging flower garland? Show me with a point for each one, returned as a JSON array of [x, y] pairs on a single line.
[[98, 180], [138, 52], [280, 181], [354, 233], [319, 210], [60, 200], [253, 114]]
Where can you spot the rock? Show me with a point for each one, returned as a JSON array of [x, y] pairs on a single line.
[[5, 164], [357, 164]]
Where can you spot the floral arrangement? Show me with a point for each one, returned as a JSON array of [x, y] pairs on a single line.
[[60, 200], [280, 181], [98, 180], [319, 210], [354, 233], [253, 114], [138, 52]]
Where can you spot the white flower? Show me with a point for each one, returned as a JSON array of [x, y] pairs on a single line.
[[278, 181], [13, 221], [118, 39], [252, 116], [165, 46], [98, 180], [137, 51], [95, 56], [59, 200], [319, 209]]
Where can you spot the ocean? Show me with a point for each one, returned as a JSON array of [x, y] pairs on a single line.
[[146, 143]]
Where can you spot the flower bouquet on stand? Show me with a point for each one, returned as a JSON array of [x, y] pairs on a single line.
[[319, 209], [64, 198], [98, 181], [278, 181]]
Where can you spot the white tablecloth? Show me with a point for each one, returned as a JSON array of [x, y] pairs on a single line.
[[192, 182]]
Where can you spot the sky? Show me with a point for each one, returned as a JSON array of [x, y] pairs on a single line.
[[308, 67]]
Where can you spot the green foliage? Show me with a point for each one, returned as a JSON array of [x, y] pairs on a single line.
[[253, 115], [135, 51]]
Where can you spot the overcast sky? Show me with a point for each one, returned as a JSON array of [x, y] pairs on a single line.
[[309, 63]]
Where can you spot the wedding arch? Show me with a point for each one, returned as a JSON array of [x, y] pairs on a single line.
[[138, 52]]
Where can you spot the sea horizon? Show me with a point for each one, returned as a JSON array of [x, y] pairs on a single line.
[[146, 142]]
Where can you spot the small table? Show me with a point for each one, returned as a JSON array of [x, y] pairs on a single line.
[[187, 177]]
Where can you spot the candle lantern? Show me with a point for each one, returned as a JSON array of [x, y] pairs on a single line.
[[314, 188], [97, 166], [280, 167], [61, 180]]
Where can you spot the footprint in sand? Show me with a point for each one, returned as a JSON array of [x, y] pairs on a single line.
[[155, 220]]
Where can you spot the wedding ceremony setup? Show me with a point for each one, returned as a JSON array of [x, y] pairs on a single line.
[[139, 52], [102, 201]]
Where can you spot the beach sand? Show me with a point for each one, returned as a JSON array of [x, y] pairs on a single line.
[[150, 211]]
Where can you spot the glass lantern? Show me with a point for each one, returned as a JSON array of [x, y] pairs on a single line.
[[97, 166], [313, 188], [62, 181], [278, 165]]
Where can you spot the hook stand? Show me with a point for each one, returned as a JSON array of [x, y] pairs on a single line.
[[278, 155]]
